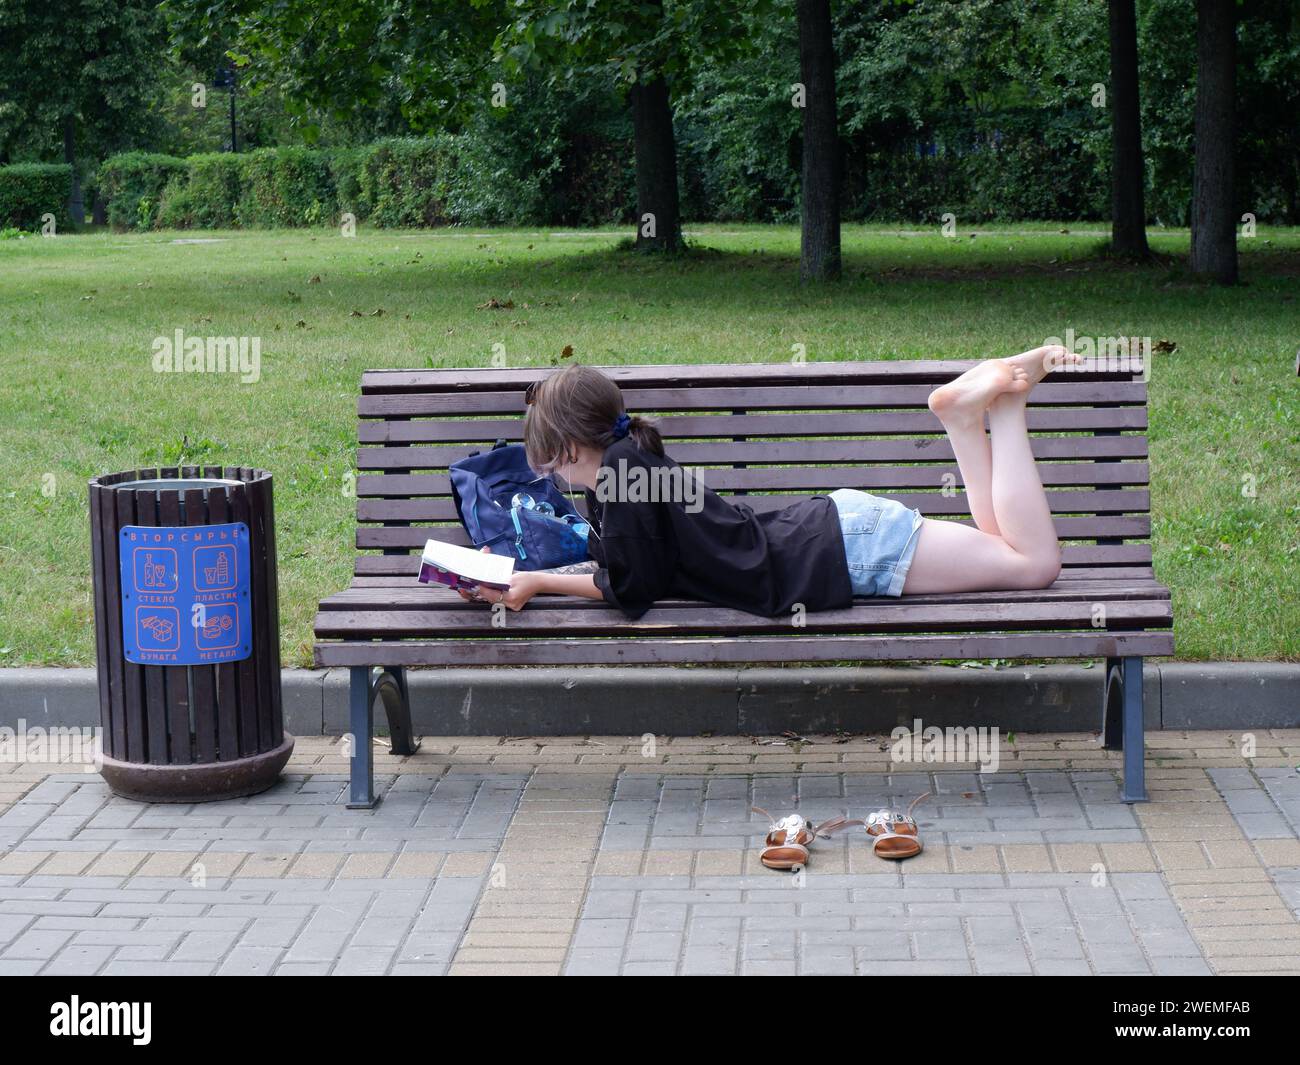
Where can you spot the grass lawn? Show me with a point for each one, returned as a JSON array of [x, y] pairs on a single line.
[[78, 316]]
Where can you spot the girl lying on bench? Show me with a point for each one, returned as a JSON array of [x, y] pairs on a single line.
[[815, 554]]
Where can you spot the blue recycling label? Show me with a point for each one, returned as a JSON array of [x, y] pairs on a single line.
[[185, 599]]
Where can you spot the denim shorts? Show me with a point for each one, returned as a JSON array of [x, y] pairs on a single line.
[[879, 540]]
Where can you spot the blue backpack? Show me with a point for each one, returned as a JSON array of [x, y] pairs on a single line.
[[484, 484]]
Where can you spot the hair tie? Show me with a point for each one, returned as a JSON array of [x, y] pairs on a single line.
[[621, 426]]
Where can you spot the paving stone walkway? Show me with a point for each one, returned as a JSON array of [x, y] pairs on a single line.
[[607, 855]]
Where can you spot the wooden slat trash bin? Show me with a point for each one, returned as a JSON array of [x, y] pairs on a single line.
[[187, 632]]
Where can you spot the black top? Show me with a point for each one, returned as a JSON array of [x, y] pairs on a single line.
[[655, 546]]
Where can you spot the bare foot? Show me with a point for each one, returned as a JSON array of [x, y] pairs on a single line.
[[1038, 363], [964, 401]]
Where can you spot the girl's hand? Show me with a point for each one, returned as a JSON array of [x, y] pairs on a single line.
[[523, 586]]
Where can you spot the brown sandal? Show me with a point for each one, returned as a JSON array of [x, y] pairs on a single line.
[[786, 845], [894, 835]]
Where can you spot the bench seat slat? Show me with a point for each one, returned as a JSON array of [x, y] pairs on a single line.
[[410, 596], [754, 649], [465, 620], [1108, 574]]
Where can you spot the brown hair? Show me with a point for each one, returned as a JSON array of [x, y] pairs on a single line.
[[578, 405]]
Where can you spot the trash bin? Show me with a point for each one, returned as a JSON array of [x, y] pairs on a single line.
[[187, 632]]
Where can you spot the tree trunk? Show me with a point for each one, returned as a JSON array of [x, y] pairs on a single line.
[[76, 206], [1214, 221], [658, 221], [1127, 207], [1291, 192], [819, 258]]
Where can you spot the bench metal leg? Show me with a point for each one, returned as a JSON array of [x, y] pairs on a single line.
[[1123, 727], [390, 685]]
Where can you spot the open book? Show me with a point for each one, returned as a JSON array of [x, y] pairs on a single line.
[[464, 567]]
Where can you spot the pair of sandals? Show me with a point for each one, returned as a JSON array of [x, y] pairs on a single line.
[[893, 835]]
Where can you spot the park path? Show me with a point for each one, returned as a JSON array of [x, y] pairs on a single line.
[[602, 855]]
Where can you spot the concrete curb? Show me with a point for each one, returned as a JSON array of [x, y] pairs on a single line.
[[675, 701]]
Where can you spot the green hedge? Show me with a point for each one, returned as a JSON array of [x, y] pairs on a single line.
[[483, 178], [132, 185], [30, 190], [401, 181], [206, 195], [345, 170], [286, 187], [396, 182]]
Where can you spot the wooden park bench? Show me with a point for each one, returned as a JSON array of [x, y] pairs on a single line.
[[769, 434]]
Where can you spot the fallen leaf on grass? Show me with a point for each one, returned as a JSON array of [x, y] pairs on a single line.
[[567, 352], [314, 279], [1165, 346], [495, 304]]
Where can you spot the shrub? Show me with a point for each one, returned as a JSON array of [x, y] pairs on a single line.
[[286, 187], [206, 196], [132, 185], [401, 181], [504, 167], [345, 171], [897, 187], [596, 185], [30, 190]]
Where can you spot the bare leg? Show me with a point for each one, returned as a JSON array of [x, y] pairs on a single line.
[[970, 445], [1024, 517], [1020, 549], [956, 558], [960, 406]]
